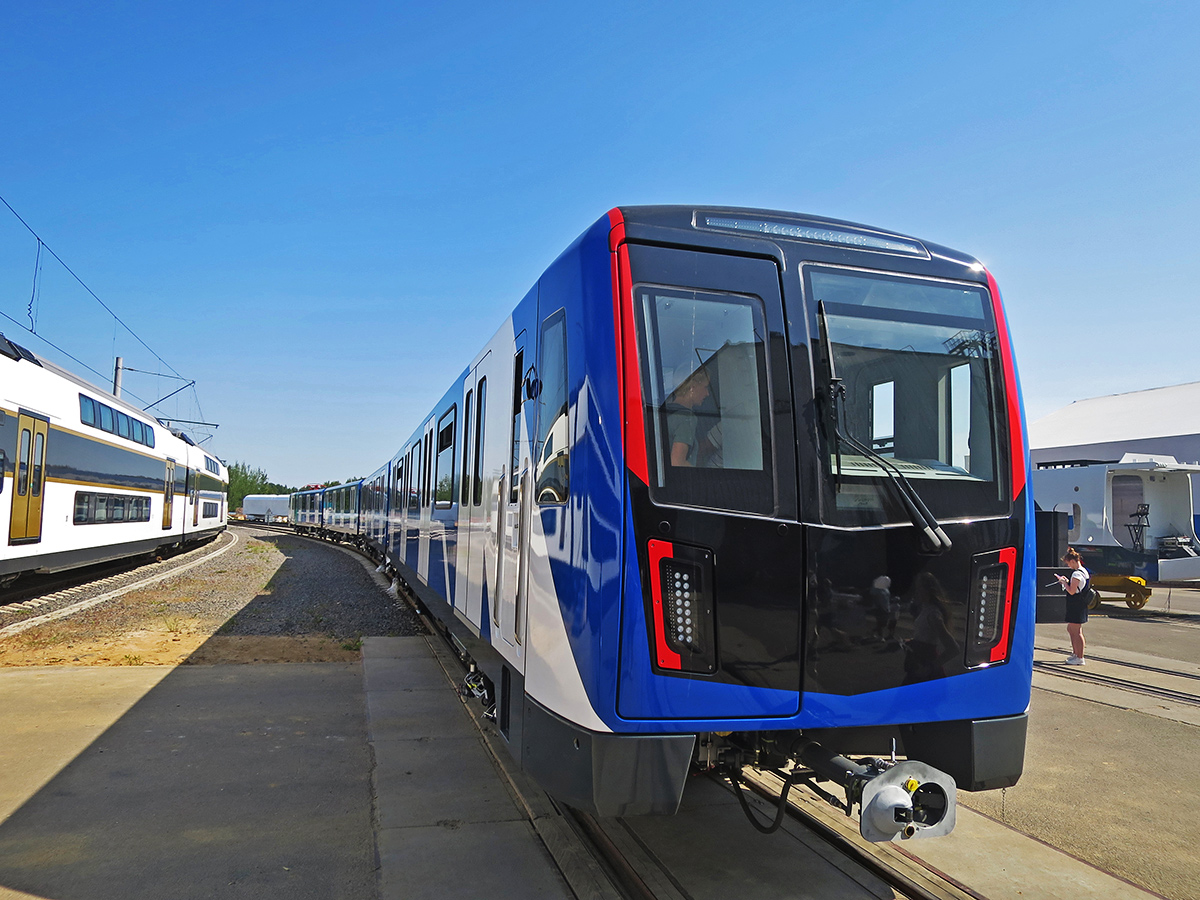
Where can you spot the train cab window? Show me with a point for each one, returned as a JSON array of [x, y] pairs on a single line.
[[919, 364], [704, 377], [443, 477], [552, 476]]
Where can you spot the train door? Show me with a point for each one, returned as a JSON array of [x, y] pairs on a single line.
[[514, 503], [168, 495], [25, 524], [472, 545]]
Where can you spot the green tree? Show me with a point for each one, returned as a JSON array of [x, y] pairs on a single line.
[[244, 480]]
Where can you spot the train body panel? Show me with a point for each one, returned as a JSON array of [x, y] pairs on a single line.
[[731, 471], [89, 478]]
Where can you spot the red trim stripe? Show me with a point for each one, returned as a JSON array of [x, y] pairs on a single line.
[[1008, 557], [667, 658], [633, 424], [1016, 436]]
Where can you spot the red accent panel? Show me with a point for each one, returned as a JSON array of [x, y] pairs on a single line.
[[617, 235], [667, 658], [1008, 557], [1016, 436], [633, 425]]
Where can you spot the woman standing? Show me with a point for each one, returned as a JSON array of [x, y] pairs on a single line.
[[1079, 596]]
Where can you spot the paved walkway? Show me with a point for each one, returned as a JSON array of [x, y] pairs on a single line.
[[326, 780]]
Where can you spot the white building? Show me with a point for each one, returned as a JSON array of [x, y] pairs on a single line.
[[1162, 421]]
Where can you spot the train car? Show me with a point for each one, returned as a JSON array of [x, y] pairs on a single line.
[[737, 486], [305, 510], [90, 478]]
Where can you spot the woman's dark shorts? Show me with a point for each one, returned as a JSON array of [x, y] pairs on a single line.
[[1077, 609]]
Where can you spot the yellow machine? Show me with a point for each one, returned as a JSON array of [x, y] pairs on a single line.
[[1133, 589]]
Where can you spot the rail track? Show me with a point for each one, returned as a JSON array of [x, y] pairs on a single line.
[[1157, 691], [82, 589]]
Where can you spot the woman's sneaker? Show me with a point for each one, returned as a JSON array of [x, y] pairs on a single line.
[[1074, 661]]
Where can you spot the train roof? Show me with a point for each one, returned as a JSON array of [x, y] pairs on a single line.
[[782, 225], [17, 352]]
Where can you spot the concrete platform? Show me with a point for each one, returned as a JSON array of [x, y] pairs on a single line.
[[346, 780], [446, 823]]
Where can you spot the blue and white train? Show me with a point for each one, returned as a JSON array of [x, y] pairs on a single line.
[[726, 483], [86, 477]]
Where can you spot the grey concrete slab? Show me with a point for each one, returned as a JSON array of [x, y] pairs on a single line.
[[231, 781], [410, 715], [696, 846], [411, 674], [424, 782], [482, 861]]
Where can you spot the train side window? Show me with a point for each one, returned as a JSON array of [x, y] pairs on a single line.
[[480, 413], [87, 410], [704, 375], [552, 476], [3, 470], [82, 507], [122, 425], [518, 382], [443, 476], [148, 434], [414, 479], [465, 494], [135, 430], [106, 419], [425, 470], [23, 463], [39, 451]]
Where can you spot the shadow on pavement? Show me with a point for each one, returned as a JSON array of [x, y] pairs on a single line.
[[225, 780]]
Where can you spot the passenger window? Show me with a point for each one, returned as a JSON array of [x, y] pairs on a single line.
[[135, 430], [518, 393], [554, 431], [122, 425], [106, 419], [39, 449], [87, 410], [704, 379], [465, 497], [480, 413], [414, 480], [23, 463], [443, 478]]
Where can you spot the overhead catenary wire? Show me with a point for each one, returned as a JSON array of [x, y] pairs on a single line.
[[95, 296], [116, 318]]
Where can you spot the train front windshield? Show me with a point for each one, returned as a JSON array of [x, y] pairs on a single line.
[[919, 363]]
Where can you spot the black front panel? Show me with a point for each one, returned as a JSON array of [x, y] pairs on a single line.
[[757, 591], [721, 452], [883, 614]]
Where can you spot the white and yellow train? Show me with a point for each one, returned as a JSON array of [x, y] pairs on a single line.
[[88, 478]]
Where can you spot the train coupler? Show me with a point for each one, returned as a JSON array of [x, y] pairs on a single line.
[[904, 799]]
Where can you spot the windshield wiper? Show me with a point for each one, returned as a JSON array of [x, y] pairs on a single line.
[[936, 540]]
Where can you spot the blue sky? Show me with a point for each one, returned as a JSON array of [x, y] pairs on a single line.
[[319, 211]]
